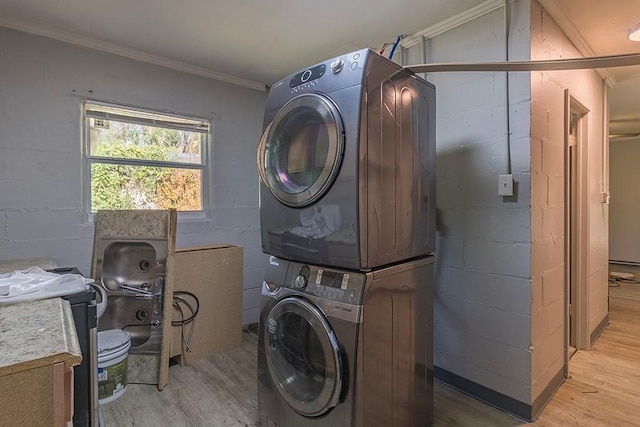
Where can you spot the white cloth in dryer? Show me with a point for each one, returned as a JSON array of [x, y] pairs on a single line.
[[318, 222]]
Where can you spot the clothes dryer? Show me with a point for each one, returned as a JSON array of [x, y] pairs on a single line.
[[347, 164]]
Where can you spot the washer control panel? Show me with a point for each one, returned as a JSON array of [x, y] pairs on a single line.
[[336, 285]]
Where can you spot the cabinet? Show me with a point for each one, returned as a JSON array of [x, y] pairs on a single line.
[[39, 350], [214, 275]]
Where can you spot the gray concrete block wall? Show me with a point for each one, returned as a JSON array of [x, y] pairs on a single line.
[[482, 305], [42, 211]]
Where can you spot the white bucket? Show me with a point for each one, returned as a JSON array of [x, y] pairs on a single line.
[[113, 352]]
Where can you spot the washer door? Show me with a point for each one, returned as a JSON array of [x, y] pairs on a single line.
[[303, 356], [301, 150]]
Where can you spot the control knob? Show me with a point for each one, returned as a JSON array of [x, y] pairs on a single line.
[[336, 66], [300, 282]]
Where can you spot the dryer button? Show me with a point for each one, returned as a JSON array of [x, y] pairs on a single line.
[[354, 65], [336, 66]]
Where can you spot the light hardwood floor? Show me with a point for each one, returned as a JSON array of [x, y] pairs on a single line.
[[603, 388]]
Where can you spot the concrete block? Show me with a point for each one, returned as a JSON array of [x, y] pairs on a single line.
[[253, 274], [251, 316], [540, 384], [447, 311], [553, 286], [501, 292], [537, 298], [512, 259], [556, 190], [452, 222], [223, 195], [503, 225], [40, 195], [451, 363], [502, 326], [552, 158], [251, 298], [539, 119], [255, 258], [545, 354], [248, 197], [509, 362], [449, 193], [43, 225], [449, 252], [450, 340], [237, 217], [539, 190], [249, 239], [452, 282], [553, 222], [508, 387], [537, 226], [482, 191], [521, 154]]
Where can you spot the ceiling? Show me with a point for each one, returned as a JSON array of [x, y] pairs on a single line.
[[256, 42]]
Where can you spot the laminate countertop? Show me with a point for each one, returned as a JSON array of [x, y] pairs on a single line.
[[37, 333]]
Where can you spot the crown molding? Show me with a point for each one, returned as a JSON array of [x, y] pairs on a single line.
[[91, 43], [451, 23], [573, 34]]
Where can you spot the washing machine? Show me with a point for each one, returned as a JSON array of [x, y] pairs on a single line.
[[341, 348], [347, 164]]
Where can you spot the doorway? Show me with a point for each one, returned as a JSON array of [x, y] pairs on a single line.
[[576, 227]]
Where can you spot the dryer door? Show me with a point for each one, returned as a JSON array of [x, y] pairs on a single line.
[[303, 356], [301, 150]]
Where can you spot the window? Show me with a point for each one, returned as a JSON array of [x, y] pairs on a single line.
[[140, 159]]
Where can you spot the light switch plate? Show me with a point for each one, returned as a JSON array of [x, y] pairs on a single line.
[[505, 185]]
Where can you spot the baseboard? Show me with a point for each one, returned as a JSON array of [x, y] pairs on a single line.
[[501, 401], [547, 394], [595, 334], [491, 397]]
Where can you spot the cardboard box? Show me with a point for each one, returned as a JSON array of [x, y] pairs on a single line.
[[214, 275]]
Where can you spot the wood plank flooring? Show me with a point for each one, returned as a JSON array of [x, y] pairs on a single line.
[[603, 388]]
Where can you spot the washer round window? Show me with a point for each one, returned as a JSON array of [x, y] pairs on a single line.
[[303, 356], [301, 150]]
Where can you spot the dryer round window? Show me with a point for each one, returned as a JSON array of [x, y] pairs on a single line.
[[301, 150]]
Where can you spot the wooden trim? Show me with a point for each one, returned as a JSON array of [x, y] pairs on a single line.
[[580, 308], [138, 55], [451, 23], [484, 394], [573, 34], [547, 394], [595, 334]]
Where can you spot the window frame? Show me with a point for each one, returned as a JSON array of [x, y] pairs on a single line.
[[89, 159]]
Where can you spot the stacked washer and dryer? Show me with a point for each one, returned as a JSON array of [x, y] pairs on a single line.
[[347, 211]]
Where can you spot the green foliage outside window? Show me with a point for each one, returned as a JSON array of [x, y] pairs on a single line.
[[126, 186]]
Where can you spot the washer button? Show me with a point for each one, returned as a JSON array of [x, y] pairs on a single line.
[[356, 56], [352, 295], [354, 65], [305, 76]]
